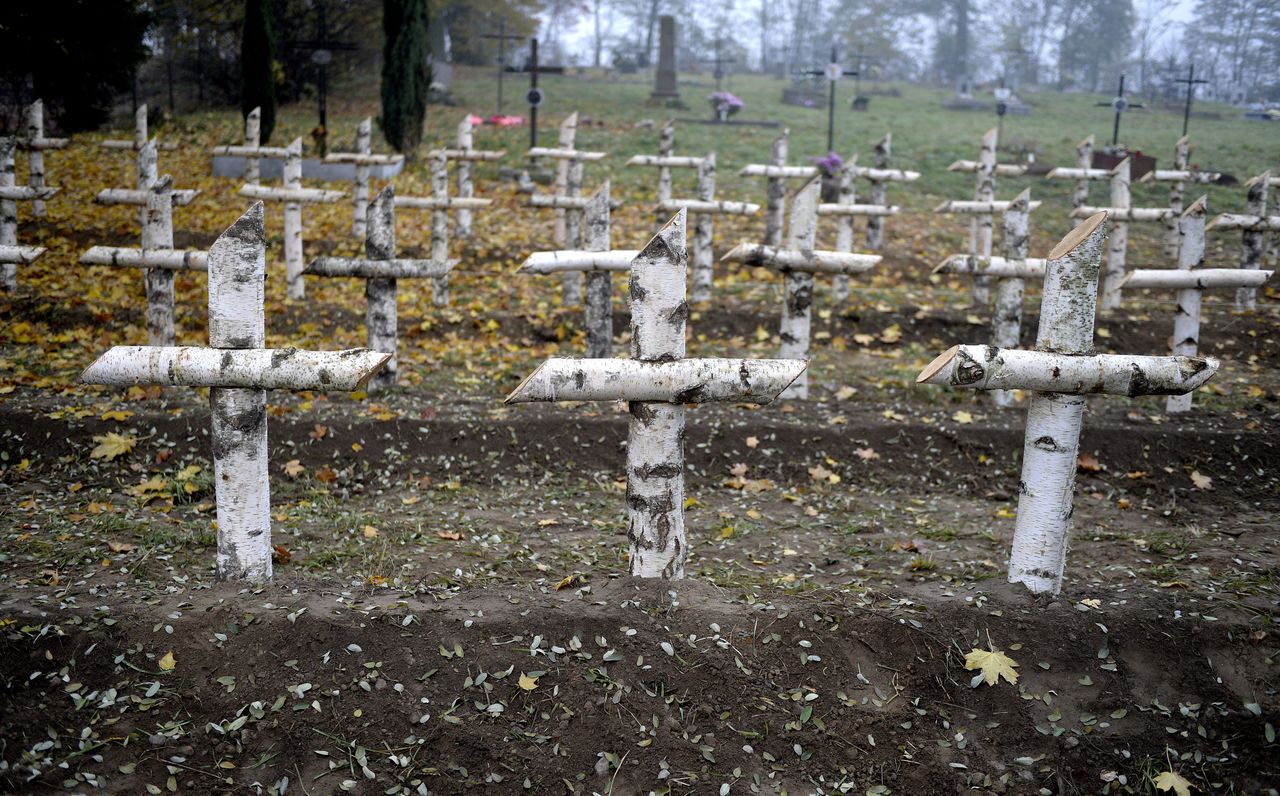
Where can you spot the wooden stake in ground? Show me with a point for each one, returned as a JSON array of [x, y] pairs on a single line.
[[657, 382], [1060, 372], [35, 145], [1122, 213], [845, 211], [158, 257], [598, 262], [380, 268], [362, 158], [140, 138], [665, 161], [1191, 279], [239, 371], [148, 176], [1009, 272], [1083, 174], [880, 176], [777, 172], [986, 170], [1253, 227], [798, 263], [11, 254], [440, 203], [465, 154], [294, 196], [1178, 177], [252, 151], [704, 209]]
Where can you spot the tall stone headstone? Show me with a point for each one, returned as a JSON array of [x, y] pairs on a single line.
[[664, 85]]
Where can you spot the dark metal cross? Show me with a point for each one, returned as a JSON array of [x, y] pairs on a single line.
[[534, 97], [503, 37], [833, 72], [719, 62], [322, 48], [1192, 81], [1120, 105]]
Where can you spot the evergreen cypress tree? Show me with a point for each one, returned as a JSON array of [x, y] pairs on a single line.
[[257, 64], [406, 73]]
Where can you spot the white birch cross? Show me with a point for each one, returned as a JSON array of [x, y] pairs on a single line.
[[777, 173], [294, 196], [35, 143], [657, 382], [664, 162], [986, 170], [440, 203], [567, 198], [704, 209], [880, 175], [1178, 177], [1060, 372], [798, 262], [380, 268], [11, 254], [158, 257], [239, 371], [148, 175], [466, 154], [1191, 279], [1254, 225], [846, 209], [363, 158], [140, 138], [1009, 272], [1122, 213], [252, 151], [1082, 173], [598, 262]]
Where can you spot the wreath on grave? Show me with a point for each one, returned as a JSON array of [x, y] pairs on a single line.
[[725, 104]]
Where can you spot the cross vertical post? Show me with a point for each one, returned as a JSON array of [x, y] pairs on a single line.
[[252, 138], [11, 254], [363, 159], [35, 143]]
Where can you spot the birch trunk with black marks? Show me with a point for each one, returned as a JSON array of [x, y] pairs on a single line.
[[360, 192], [1253, 242], [1186, 318], [253, 139], [35, 156], [148, 172], [8, 216], [844, 227], [776, 196], [655, 440], [599, 288], [666, 149], [380, 293], [1084, 161], [466, 188], [883, 155], [679, 381], [248, 368], [980, 230], [703, 230], [797, 286], [1006, 321], [1119, 241], [818, 262], [157, 233], [1172, 225], [571, 281], [440, 227], [293, 264], [568, 135]]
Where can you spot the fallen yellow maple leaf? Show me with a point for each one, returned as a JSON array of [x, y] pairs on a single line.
[[962, 417], [993, 664], [1171, 780], [112, 445], [528, 683], [168, 662]]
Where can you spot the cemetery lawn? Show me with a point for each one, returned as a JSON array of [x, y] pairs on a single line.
[[448, 613]]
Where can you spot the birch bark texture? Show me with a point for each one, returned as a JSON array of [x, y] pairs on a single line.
[[1084, 161], [844, 228], [253, 139], [981, 227], [566, 140], [1119, 242], [466, 188], [703, 230], [1006, 320], [882, 156], [657, 382], [35, 143], [776, 193], [11, 254], [360, 186], [440, 227], [237, 273], [1253, 241], [157, 234]]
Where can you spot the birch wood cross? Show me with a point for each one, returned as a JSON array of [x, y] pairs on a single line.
[[986, 170], [35, 144], [798, 263], [598, 262], [239, 371], [846, 210], [1083, 173], [158, 257], [380, 268], [11, 254], [363, 158], [777, 174], [880, 176], [1060, 372], [440, 203], [148, 175], [1122, 213], [294, 196], [466, 154], [1178, 177], [140, 138], [704, 209], [253, 150], [1191, 279], [1009, 272], [665, 161], [657, 382], [1253, 226]]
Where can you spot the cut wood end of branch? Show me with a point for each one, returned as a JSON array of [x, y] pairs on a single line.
[[939, 364], [1077, 236], [1198, 208]]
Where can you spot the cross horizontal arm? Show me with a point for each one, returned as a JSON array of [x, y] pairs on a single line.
[[1180, 175], [665, 161], [302, 195], [998, 267], [363, 268], [248, 368], [25, 193], [985, 367], [884, 175], [857, 210], [715, 207], [814, 262], [134, 146], [1197, 278], [1075, 173], [21, 255], [763, 170], [1126, 213], [554, 262], [363, 159], [239, 150], [969, 206], [447, 203], [565, 154], [136, 196], [683, 381], [1002, 169], [567, 202], [43, 143], [1237, 221], [168, 259], [468, 154]]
